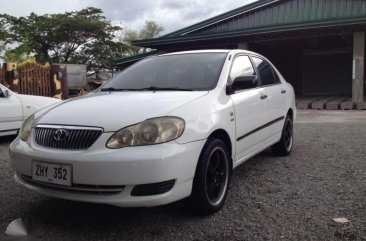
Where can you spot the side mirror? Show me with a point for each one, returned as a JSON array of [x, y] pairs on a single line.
[[6, 93], [243, 83]]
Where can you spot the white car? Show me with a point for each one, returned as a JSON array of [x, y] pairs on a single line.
[[169, 127], [15, 108]]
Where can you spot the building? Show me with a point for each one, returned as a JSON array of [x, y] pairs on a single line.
[[318, 45]]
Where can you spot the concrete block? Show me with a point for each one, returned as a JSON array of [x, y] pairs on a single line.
[[336, 103], [362, 106], [304, 103], [347, 105], [320, 104]]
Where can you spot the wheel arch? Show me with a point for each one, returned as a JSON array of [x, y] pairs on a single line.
[[225, 137], [290, 112]]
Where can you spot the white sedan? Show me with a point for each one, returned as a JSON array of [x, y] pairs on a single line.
[[169, 127], [15, 108]]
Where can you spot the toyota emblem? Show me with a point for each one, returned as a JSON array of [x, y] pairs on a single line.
[[60, 135]]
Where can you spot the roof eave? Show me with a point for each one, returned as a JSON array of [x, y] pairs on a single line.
[[244, 32]]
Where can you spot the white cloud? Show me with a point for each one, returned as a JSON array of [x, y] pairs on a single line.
[[171, 14]]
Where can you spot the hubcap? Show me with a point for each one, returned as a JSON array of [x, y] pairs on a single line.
[[217, 176], [288, 135]]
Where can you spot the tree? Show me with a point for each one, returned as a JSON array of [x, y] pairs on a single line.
[[2, 38], [150, 30], [16, 55], [5, 37], [63, 38], [95, 53]]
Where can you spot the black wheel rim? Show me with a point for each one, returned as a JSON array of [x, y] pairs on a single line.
[[288, 131], [217, 176]]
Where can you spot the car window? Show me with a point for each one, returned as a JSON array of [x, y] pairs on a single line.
[[1, 93], [265, 71], [241, 66], [196, 71]]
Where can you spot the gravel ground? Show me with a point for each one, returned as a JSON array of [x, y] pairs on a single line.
[[270, 198]]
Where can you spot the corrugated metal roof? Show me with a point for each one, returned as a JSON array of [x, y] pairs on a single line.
[[133, 58], [290, 12], [269, 16]]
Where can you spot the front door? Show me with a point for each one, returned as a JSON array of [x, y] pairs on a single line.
[[275, 93], [250, 111]]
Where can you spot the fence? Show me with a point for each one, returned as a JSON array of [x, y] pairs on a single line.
[[2, 76], [35, 79]]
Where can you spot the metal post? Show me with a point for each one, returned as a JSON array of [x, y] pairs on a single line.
[[358, 69]]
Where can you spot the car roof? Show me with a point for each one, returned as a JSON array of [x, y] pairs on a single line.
[[231, 51]]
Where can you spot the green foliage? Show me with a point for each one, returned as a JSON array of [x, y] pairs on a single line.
[[99, 54], [5, 37], [59, 38], [84, 37], [150, 30], [17, 54]]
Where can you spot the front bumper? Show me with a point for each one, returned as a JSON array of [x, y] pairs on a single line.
[[125, 168]]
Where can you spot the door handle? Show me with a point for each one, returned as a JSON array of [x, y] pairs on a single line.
[[263, 96], [283, 91]]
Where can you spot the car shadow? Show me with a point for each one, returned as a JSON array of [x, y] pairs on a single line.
[[5, 139], [68, 217]]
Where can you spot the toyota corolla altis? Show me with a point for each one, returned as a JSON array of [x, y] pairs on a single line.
[[168, 127]]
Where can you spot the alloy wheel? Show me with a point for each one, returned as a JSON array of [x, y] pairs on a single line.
[[288, 135], [217, 176]]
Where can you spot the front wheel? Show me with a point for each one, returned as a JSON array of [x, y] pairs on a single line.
[[284, 146], [212, 178]]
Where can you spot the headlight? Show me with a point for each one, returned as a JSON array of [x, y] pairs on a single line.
[[149, 132], [26, 128]]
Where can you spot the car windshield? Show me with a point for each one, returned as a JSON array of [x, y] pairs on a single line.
[[185, 72]]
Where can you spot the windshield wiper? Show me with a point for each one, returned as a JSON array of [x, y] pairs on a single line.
[[110, 89], [153, 88], [167, 88]]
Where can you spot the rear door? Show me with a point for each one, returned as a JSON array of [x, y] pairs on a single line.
[[250, 110], [10, 112], [276, 94]]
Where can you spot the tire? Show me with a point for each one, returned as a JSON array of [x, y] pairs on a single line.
[[212, 178], [284, 146]]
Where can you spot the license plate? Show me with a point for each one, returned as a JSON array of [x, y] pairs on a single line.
[[51, 173]]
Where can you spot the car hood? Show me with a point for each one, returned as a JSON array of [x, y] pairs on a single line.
[[115, 110], [37, 101]]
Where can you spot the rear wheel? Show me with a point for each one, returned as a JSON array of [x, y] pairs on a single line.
[[284, 146], [212, 178]]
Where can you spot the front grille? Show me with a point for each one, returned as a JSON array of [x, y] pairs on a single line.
[[72, 138], [153, 188], [75, 188]]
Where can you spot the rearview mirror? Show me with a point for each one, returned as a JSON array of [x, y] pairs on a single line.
[[243, 83]]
